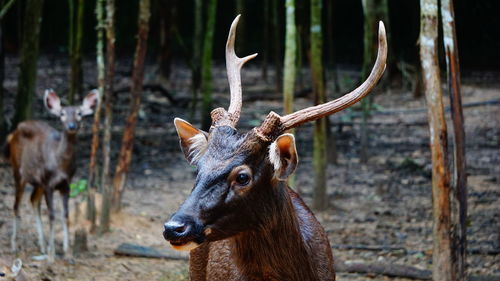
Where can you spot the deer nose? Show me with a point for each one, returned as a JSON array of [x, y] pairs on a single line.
[[72, 126], [176, 229]]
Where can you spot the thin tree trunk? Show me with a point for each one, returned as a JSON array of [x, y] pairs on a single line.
[[75, 49], [319, 151], [442, 263], [277, 44], [459, 175], [265, 40], [92, 178], [240, 10], [331, 47], [206, 71], [108, 116], [197, 47], [289, 68], [125, 156], [168, 13], [28, 62], [6, 8], [369, 13], [3, 124]]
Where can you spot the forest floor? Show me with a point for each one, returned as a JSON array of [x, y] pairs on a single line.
[[384, 203]]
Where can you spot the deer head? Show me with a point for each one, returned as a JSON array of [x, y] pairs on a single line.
[[241, 176], [12, 272], [70, 116]]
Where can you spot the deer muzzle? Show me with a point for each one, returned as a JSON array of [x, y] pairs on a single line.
[[183, 232]]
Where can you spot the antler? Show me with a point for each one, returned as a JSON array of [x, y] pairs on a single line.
[[234, 64], [274, 124]]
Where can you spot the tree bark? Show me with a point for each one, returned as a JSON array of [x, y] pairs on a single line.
[[442, 263], [265, 40], [125, 156], [108, 116], [168, 11], [206, 71], [459, 175], [290, 64], [3, 124], [277, 44], [75, 49], [28, 62], [319, 150], [92, 178], [197, 47]]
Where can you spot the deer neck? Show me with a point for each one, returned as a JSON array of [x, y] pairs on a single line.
[[276, 249], [66, 146]]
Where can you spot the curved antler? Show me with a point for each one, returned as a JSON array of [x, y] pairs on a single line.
[[233, 66], [274, 124]]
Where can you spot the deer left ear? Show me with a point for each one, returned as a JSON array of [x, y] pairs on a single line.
[[52, 102], [283, 156], [193, 142], [90, 102]]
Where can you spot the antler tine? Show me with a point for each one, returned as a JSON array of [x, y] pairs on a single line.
[[233, 66], [274, 124]]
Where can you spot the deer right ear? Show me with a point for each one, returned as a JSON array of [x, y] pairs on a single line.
[[52, 102], [193, 142], [283, 156]]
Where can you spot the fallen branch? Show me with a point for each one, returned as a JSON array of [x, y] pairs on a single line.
[[133, 250], [391, 270], [380, 248]]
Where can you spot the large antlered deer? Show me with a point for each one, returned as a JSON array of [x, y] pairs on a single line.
[[241, 220], [44, 158]]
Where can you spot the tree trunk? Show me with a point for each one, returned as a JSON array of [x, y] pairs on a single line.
[[289, 68], [168, 11], [206, 71], [108, 116], [3, 124], [92, 178], [277, 44], [459, 178], [240, 10], [265, 40], [75, 50], [125, 156], [442, 263], [197, 47], [369, 42], [319, 151], [28, 62]]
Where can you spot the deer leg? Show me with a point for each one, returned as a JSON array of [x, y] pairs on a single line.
[[65, 221], [17, 218], [36, 200], [51, 250]]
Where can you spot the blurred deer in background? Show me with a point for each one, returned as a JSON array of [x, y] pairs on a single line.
[[241, 220], [45, 158], [12, 272]]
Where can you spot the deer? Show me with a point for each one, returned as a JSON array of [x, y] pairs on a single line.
[[44, 158], [241, 220], [12, 272]]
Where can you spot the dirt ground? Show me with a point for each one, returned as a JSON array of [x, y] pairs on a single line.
[[386, 202]]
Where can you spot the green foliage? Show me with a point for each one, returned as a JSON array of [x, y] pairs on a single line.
[[77, 187]]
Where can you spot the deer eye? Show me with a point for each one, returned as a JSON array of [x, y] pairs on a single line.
[[243, 178]]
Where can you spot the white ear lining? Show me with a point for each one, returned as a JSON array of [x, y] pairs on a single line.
[[274, 156], [197, 147]]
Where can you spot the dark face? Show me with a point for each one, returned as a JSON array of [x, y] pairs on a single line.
[[231, 173], [70, 116]]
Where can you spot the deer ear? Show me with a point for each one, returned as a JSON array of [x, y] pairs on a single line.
[[52, 102], [193, 142], [90, 102], [283, 156], [16, 267]]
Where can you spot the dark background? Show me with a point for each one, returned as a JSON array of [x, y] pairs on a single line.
[[477, 21]]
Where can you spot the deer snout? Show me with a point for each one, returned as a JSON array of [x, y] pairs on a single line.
[[72, 126], [183, 233]]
